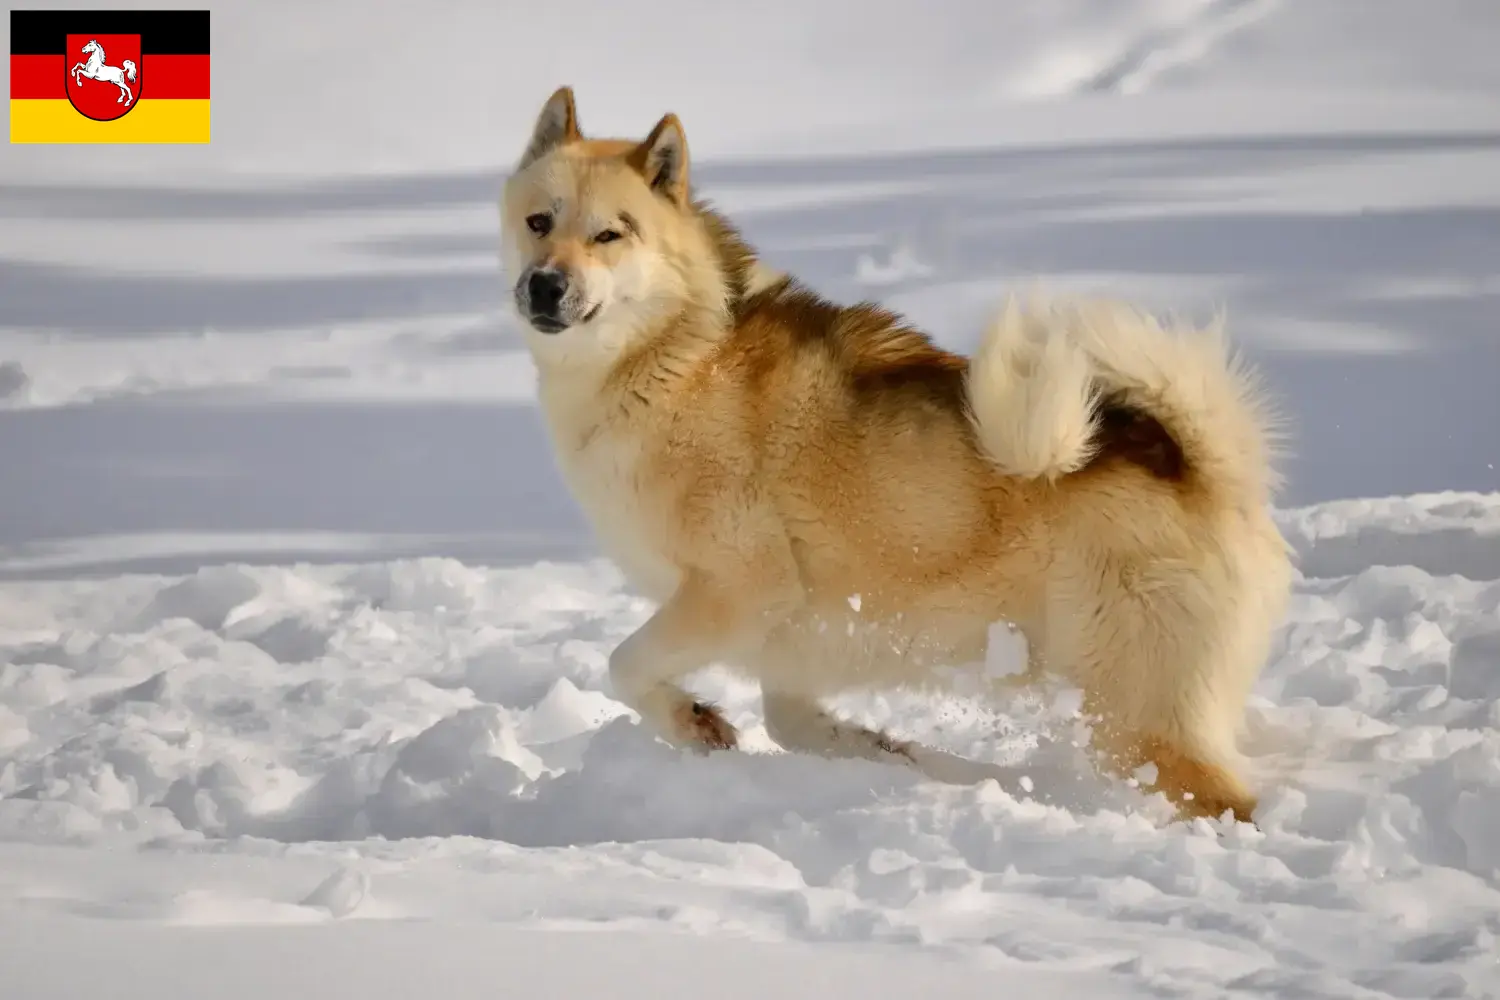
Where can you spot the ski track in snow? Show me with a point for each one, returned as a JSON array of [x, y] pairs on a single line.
[[1134, 61], [431, 739]]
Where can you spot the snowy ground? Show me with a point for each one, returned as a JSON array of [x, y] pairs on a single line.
[[302, 643]]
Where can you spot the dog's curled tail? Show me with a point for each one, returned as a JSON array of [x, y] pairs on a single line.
[[1043, 379], [1032, 397]]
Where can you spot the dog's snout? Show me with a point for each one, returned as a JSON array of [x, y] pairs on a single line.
[[546, 290]]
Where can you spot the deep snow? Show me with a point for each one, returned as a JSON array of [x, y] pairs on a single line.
[[433, 741], [302, 644]]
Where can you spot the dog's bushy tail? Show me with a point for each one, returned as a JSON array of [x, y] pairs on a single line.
[[1032, 397], [1041, 375]]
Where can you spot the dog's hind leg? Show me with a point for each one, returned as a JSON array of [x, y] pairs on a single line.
[[1166, 653], [1193, 780]]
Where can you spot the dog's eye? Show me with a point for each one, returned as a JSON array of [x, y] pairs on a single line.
[[608, 236], [540, 223]]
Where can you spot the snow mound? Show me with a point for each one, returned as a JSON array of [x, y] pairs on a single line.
[[1446, 534]]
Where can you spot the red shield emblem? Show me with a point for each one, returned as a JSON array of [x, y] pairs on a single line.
[[104, 74]]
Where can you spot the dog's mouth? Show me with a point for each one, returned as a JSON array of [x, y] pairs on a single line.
[[548, 324], [552, 324]]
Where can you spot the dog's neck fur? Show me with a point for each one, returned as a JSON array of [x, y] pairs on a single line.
[[734, 258], [611, 413]]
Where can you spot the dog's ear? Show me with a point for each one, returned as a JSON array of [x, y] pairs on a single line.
[[557, 124], [662, 158]]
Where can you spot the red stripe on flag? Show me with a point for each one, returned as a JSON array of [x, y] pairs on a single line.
[[37, 77], [163, 77], [183, 78]]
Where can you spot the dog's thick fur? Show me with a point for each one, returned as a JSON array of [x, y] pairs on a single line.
[[822, 499]]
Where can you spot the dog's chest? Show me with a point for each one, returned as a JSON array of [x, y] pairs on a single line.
[[611, 475]]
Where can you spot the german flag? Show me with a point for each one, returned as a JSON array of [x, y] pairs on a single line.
[[117, 76]]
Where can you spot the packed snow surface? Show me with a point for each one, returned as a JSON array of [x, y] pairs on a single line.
[[303, 644]]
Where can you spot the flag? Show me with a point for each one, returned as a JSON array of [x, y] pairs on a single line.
[[118, 76]]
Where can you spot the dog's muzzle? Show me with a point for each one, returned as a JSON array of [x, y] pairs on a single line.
[[540, 296]]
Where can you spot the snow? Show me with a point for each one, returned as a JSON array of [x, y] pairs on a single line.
[[302, 643], [333, 746]]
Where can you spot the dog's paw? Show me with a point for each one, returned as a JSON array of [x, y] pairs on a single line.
[[872, 744], [704, 728]]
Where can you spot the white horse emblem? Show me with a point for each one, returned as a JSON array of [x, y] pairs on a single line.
[[95, 69]]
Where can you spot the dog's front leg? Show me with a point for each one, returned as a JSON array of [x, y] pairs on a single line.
[[704, 621], [801, 724]]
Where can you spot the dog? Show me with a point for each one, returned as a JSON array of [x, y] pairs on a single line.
[[820, 498]]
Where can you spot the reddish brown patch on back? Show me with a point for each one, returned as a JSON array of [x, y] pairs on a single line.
[[873, 348]]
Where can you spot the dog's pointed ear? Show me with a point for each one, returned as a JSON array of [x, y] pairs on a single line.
[[557, 124], [662, 158]]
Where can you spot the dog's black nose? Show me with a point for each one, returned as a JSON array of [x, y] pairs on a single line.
[[546, 289]]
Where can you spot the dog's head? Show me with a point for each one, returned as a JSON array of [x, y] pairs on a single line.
[[598, 235]]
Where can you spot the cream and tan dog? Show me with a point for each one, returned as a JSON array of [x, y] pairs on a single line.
[[820, 498]]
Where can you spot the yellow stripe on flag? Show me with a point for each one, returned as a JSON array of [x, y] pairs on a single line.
[[151, 122]]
